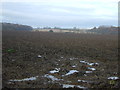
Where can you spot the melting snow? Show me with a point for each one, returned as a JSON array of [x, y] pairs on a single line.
[[61, 57], [71, 86], [52, 77], [85, 81], [82, 81], [97, 63], [91, 68], [91, 64], [73, 58], [85, 75], [39, 56], [113, 78], [70, 72], [56, 70], [83, 62], [73, 66], [25, 79], [88, 71]]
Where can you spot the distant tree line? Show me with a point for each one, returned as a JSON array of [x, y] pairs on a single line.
[[11, 26], [105, 30]]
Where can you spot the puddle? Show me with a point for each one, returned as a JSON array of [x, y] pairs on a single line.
[[55, 71], [72, 86], [70, 72], [113, 78], [52, 77], [93, 69], [25, 79]]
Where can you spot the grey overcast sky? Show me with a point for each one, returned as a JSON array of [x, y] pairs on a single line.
[[61, 13]]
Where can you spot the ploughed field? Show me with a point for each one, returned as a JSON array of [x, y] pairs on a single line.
[[59, 60]]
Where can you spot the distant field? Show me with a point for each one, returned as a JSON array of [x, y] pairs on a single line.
[[58, 60]]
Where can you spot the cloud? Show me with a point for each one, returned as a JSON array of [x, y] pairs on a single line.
[[61, 12], [58, 0]]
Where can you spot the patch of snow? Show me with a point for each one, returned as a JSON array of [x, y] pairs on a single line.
[[70, 72], [25, 79], [85, 81], [93, 69], [97, 63], [52, 77], [91, 64], [39, 56], [88, 71], [73, 66], [9, 82], [68, 86], [113, 78], [55, 71], [83, 62], [81, 81], [72, 86], [73, 58], [85, 75], [61, 57]]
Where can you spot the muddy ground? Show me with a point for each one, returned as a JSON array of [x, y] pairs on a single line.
[[59, 60]]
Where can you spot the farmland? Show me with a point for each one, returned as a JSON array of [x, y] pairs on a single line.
[[59, 60]]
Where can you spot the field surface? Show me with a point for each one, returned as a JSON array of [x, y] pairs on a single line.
[[59, 60]]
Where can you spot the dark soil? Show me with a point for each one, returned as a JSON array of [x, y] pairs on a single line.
[[20, 50]]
